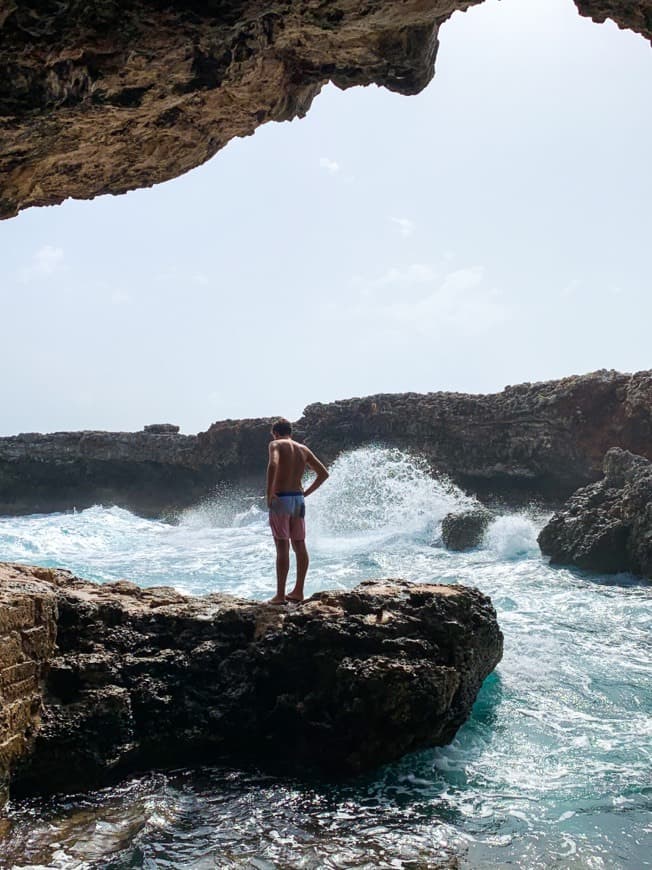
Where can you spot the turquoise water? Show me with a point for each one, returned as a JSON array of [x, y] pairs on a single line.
[[554, 768]]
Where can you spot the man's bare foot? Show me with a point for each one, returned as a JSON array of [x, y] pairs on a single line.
[[276, 600], [294, 599]]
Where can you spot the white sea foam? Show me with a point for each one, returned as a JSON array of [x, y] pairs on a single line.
[[512, 536]]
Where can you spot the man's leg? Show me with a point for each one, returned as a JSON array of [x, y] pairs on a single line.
[[303, 560], [282, 568]]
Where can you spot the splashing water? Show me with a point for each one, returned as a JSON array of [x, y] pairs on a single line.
[[552, 769]]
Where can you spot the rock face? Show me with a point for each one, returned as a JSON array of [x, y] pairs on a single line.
[[144, 678], [607, 527], [542, 440], [149, 473], [104, 97], [463, 531], [27, 632]]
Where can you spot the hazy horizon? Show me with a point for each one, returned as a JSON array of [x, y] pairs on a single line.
[[492, 230]]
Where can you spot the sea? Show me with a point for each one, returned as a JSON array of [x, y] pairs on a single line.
[[552, 770]]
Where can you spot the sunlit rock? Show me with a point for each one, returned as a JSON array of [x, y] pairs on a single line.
[[104, 97]]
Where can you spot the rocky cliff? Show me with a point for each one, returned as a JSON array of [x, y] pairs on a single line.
[[541, 440], [145, 678], [544, 439], [102, 96], [607, 526]]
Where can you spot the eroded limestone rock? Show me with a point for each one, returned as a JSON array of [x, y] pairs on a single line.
[[28, 617], [606, 527], [102, 96], [145, 678]]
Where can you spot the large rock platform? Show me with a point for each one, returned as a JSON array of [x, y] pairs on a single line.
[[150, 678]]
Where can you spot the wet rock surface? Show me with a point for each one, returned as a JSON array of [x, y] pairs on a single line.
[[104, 97], [147, 678], [606, 527], [465, 530], [541, 440]]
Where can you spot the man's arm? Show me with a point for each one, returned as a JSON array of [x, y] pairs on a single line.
[[320, 470], [272, 465]]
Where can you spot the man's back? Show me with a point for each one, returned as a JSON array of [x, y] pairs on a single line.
[[290, 459]]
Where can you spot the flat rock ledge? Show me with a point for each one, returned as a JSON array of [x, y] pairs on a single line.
[[607, 526], [99, 681]]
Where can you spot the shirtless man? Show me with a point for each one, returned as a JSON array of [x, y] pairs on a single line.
[[285, 498]]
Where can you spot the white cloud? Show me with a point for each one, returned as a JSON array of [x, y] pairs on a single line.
[[571, 288], [460, 304], [416, 301], [395, 279], [45, 262], [331, 166], [201, 279], [405, 225], [120, 297]]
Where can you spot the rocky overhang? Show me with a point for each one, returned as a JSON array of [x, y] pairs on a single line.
[[100, 96]]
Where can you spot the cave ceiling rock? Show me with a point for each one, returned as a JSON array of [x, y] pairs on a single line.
[[106, 96]]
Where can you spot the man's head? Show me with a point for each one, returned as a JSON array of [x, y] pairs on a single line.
[[282, 428]]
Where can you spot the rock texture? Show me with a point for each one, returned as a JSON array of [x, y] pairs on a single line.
[[542, 440], [150, 473], [103, 97], [144, 678], [606, 527], [463, 531], [27, 632]]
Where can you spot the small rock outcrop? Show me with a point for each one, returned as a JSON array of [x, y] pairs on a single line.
[[150, 678], [465, 530], [161, 429], [606, 527], [104, 97]]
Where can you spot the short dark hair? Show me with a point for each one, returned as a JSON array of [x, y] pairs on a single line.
[[282, 427]]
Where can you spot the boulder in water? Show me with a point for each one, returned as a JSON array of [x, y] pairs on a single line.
[[465, 530], [607, 526], [150, 678]]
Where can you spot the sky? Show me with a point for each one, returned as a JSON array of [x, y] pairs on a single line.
[[492, 230]]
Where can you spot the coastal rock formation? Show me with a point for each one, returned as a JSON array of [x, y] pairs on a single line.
[[149, 472], [543, 440], [146, 678], [27, 632], [465, 530], [606, 527], [104, 97]]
